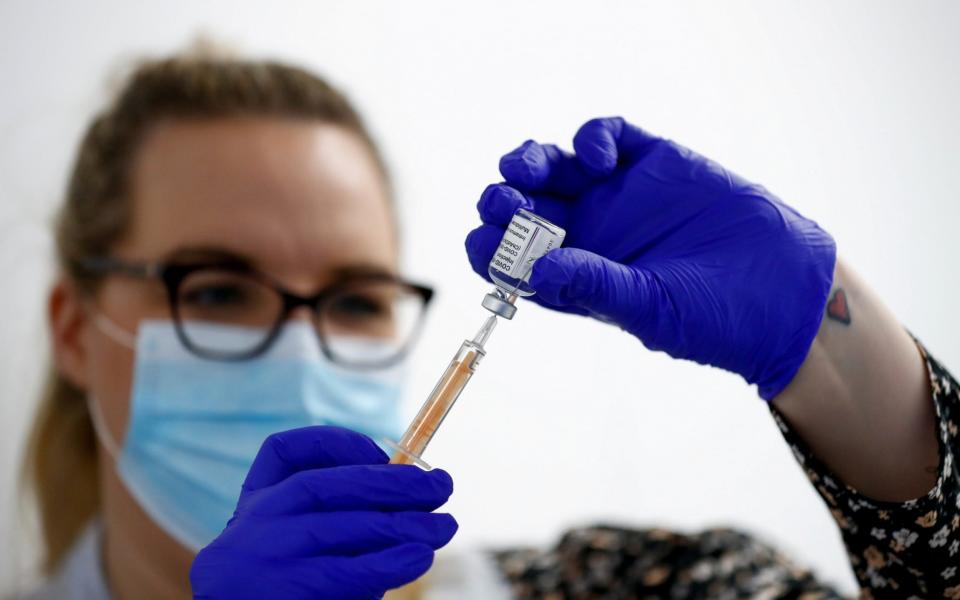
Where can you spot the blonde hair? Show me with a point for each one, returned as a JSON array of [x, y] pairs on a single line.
[[61, 467]]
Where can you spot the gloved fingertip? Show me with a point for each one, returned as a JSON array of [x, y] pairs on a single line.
[[416, 557], [480, 245], [498, 202], [446, 527], [471, 242], [443, 481], [550, 277], [595, 145], [525, 166], [358, 444], [380, 455], [377, 572]]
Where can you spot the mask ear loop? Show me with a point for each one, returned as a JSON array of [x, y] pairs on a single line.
[[128, 340], [100, 428], [124, 338], [115, 332]]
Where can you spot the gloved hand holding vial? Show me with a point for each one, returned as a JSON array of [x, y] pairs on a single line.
[[527, 238]]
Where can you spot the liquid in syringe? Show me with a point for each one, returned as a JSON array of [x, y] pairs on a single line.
[[441, 399]]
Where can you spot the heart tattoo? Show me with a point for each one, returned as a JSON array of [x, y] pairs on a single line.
[[837, 308]]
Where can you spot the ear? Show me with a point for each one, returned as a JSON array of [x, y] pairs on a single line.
[[68, 323]]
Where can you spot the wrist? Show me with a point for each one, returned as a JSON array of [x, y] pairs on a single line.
[[861, 398]]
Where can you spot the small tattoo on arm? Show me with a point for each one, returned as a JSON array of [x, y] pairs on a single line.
[[837, 307]]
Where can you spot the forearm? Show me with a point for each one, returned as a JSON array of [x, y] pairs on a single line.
[[861, 399]]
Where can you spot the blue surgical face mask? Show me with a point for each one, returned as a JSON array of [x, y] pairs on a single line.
[[196, 425]]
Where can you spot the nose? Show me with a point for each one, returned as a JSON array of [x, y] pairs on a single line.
[[301, 313]]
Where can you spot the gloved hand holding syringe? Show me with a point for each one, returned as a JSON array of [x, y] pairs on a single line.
[[527, 238]]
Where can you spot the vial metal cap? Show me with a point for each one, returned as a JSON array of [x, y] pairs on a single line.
[[499, 306]]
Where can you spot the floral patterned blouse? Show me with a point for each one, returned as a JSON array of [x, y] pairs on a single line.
[[907, 550]]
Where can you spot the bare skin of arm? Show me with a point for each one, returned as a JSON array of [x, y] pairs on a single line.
[[862, 400]]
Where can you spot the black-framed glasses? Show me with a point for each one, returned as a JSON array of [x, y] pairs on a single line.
[[364, 321]]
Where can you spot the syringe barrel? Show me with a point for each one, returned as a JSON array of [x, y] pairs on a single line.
[[438, 404]]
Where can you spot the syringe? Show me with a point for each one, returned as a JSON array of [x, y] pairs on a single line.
[[528, 237], [443, 396]]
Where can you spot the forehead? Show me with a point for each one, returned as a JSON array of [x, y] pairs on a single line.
[[299, 198]]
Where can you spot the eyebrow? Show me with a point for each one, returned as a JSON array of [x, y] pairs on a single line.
[[223, 256], [361, 270], [213, 254]]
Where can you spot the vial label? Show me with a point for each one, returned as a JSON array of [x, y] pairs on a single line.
[[522, 244]]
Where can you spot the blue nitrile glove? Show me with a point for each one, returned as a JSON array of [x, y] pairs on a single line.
[[321, 515], [670, 246]]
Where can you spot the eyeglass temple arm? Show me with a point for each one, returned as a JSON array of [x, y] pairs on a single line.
[[106, 264]]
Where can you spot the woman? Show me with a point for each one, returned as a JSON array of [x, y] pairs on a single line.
[[211, 191], [229, 278]]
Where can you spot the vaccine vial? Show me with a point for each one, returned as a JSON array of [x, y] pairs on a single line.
[[527, 238]]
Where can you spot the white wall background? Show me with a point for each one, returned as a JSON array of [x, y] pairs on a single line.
[[846, 110]]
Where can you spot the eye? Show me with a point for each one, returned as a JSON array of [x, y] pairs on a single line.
[[359, 306], [214, 295]]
